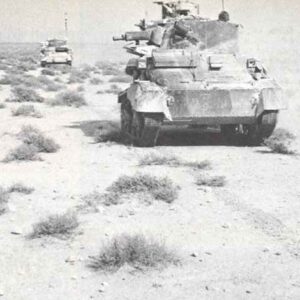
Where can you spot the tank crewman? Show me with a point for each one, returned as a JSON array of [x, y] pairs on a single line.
[[224, 16]]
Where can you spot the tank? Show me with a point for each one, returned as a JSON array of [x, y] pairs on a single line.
[[56, 51], [188, 71]]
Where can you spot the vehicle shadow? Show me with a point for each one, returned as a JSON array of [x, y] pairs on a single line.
[[107, 130]]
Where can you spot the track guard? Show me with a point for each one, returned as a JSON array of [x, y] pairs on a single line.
[[148, 97], [270, 99]]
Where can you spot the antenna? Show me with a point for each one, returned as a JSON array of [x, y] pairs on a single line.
[[66, 25], [223, 5], [198, 9]]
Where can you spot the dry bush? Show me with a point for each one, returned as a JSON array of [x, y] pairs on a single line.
[[53, 87], [26, 66], [20, 56], [3, 66], [92, 201], [135, 250], [48, 84], [121, 78], [78, 75], [68, 98], [13, 79], [27, 111], [145, 186], [23, 152], [33, 143], [80, 89], [60, 226], [154, 159], [280, 142], [157, 159], [4, 197], [95, 81], [108, 68], [87, 69], [58, 79], [214, 181], [107, 132], [20, 188], [114, 89], [34, 137], [48, 72], [63, 69], [24, 94], [161, 188]]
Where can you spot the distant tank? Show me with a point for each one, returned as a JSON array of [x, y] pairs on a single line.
[[188, 71], [56, 51]]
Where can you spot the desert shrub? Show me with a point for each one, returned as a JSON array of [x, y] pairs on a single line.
[[109, 68], [26, 66], [58, 79], [114, 89], [23, 152], [54, 87], [135, 250], [69, 98], [107, 132], [80, 89], [48, 72], [91, 202], [34, 137], [27, 111], [95, 81], [60, 226], [121, 78], [24, 94], [156, 159], [146, 186], [13, 79], [20, 188], [78, 76], [161, 188], [4, 196], [280, 142], [2, 105], [48, 84], [3, 66], [214, 181]]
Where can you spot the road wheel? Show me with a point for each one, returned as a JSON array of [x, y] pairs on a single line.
[[263, 128], [145, 128], [126, 119]]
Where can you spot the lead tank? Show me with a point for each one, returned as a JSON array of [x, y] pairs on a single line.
[[188, 71]]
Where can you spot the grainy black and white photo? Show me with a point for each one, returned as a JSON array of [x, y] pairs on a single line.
[[149, 149]]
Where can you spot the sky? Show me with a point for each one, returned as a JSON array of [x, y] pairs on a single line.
[[97, 20]]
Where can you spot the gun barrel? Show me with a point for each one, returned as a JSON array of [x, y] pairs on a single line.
[[119, 38], [134, 36]]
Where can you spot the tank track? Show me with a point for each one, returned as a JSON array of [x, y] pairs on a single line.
[[148, 126]]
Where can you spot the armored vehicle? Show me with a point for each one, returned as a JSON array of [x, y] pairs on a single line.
[[56, 51], [188, 71]]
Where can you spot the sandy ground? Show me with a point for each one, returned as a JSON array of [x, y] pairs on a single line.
[[244, 236]]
